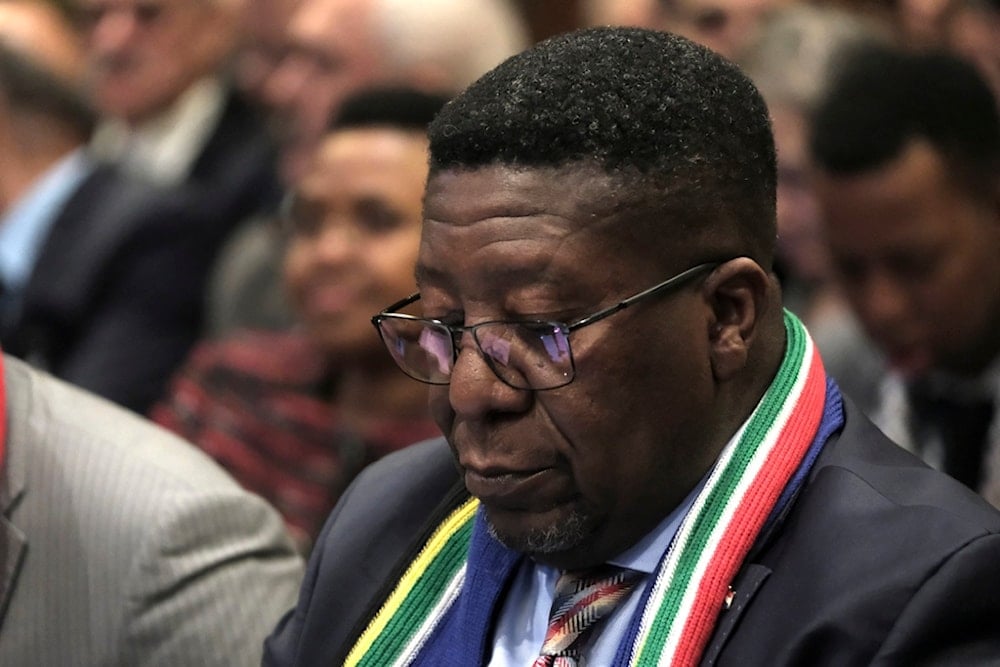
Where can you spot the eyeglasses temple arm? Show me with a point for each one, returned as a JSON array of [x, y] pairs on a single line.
[[402, 303], [675, 281]]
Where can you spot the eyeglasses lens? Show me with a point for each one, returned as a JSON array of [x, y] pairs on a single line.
[[422, 350], [524, 355]]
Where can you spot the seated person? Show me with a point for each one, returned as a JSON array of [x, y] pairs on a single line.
[[907, 153], [122, 545], [638, 437], [294, 416], [102, 274]]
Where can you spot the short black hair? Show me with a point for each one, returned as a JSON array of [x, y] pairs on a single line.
[[684, 129], [883, 98], [399, 107], [32, 88]]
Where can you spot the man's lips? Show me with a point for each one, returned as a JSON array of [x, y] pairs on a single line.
[[512, 489]]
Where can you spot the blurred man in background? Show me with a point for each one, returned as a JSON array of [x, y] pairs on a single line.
[[43, 128], [908, 152], [336, 46], [790, 60], [159, 75], [103, 272]]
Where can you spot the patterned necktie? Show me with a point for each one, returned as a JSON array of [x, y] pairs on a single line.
[[581, 599]]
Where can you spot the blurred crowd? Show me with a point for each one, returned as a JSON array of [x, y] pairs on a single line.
[[204, 202]]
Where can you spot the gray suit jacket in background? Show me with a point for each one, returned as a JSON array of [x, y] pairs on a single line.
[[122, 545]]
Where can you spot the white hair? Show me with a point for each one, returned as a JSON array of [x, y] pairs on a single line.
[[459, 40], [798, 47]]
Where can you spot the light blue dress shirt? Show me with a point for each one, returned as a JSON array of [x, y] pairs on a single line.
[[26, 224], [524, 617]]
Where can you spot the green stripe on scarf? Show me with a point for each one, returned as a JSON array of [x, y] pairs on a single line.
[[761, 423]]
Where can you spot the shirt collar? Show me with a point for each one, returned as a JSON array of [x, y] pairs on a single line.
[[646, 554], [165, 148], [26, 224]]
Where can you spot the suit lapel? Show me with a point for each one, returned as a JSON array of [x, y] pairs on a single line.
[[91, 227], [744, 588], [13, 542]]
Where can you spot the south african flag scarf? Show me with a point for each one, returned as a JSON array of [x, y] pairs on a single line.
[[753, 480]]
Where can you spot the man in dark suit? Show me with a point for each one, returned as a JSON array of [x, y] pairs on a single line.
[[114, 300], [652, 465], [103, 273], [159, 75], [907, 154]]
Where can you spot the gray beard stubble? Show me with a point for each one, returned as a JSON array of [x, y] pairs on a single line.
[[556, 538]]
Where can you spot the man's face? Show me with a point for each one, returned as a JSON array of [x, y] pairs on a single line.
[[355, 229], [331, 53], [144, 53], [578, 474], [263, 43], [917, 257]]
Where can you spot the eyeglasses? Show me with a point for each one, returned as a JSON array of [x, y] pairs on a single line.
[[524, 354]]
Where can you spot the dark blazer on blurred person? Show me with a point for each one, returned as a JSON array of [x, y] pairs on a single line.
[[114, 300], [104, 273], [236, 170]]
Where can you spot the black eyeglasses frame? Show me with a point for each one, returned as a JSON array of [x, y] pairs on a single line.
[[391, 312]]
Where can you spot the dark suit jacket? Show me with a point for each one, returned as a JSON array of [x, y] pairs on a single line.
[[116, 298], [237, 168], [881, 561]]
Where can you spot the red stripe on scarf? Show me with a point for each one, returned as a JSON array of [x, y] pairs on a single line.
[[752, 512]]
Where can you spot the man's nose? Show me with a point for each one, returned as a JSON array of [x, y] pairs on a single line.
[[337, 241], [475, 391], [113, 29], [885, 301], [284, 83]]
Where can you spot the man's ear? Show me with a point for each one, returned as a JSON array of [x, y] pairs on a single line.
[[737, 293]]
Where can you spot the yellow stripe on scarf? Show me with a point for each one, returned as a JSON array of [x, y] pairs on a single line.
[[427, 554]]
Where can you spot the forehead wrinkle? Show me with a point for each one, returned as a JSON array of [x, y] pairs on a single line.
[[538, 212], [538, 269], [521, 264], [573, 193]]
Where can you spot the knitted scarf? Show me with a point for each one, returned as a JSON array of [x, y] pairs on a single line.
[[754, 478]]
